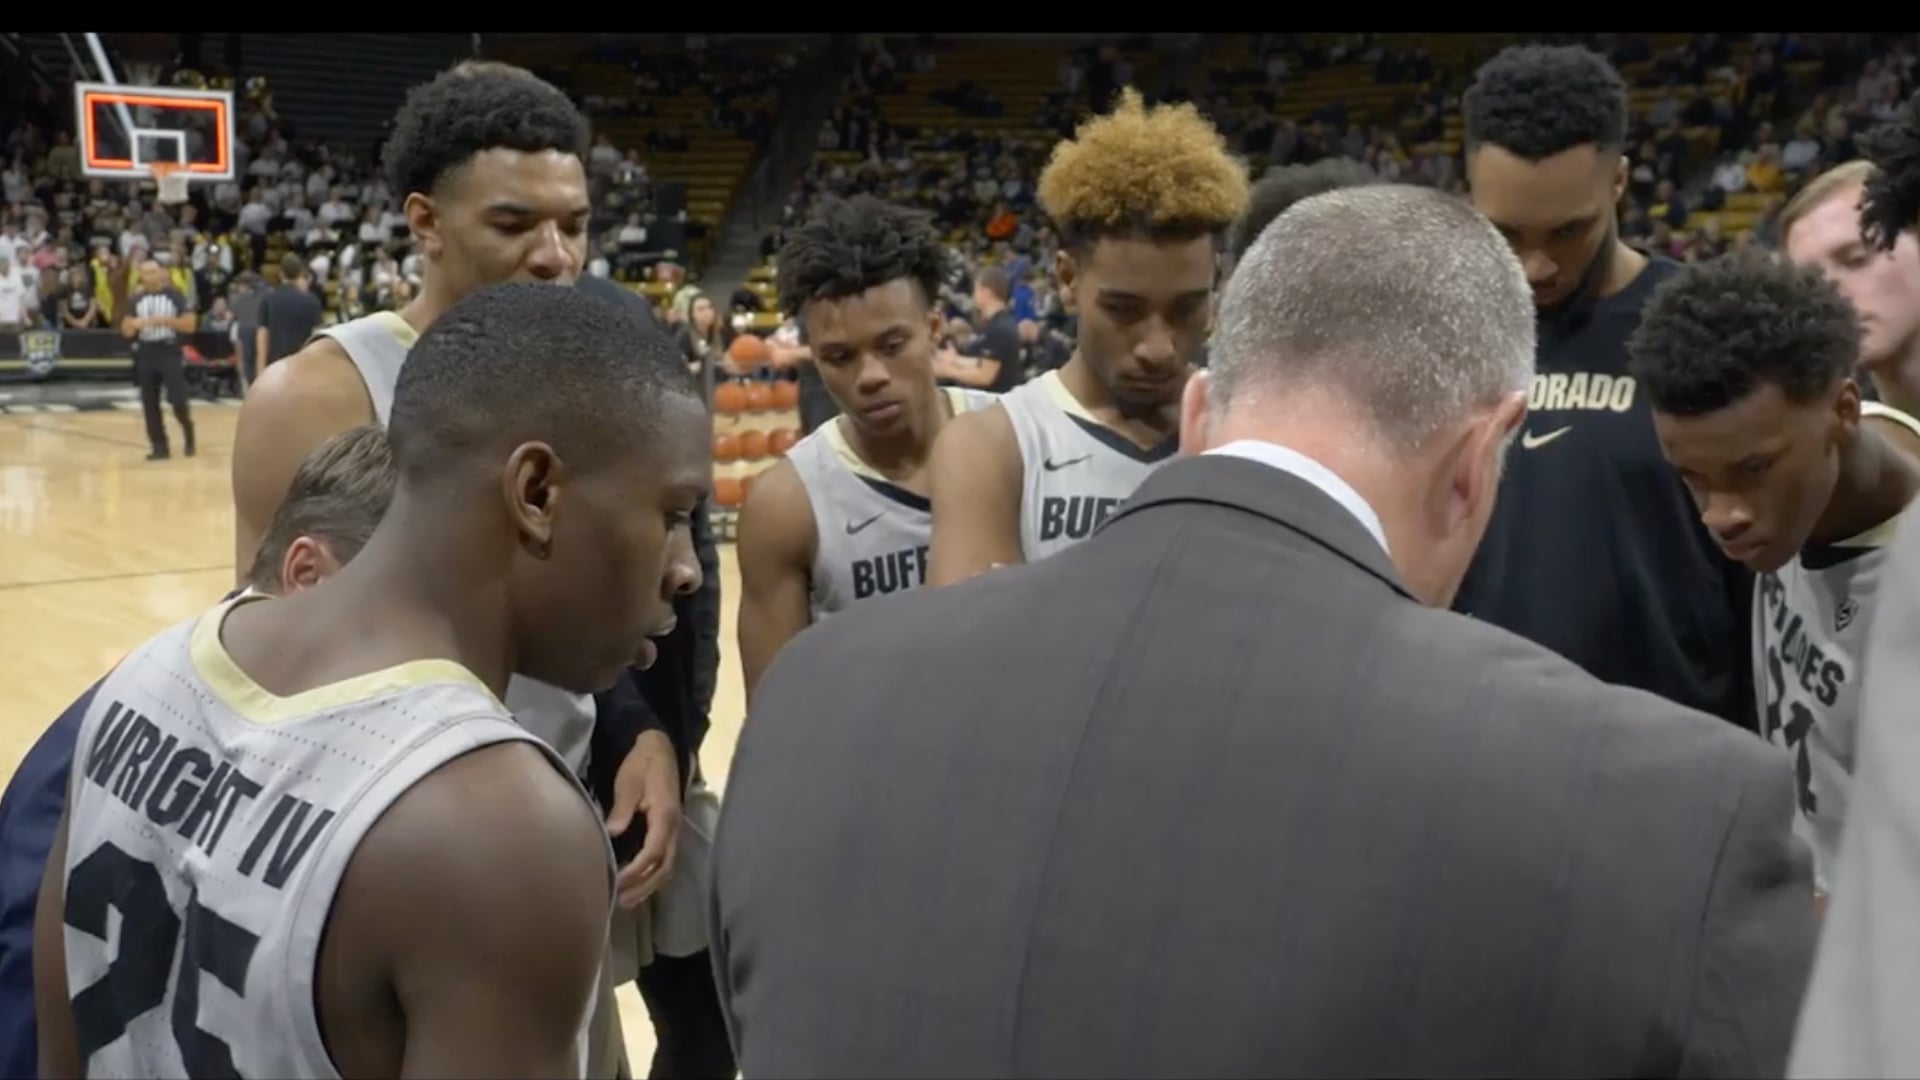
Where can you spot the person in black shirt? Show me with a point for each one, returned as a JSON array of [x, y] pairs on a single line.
[[158, 318], [995, 353], [1594, 550], [288, 315]]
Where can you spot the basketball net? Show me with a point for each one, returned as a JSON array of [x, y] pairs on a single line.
[[172, 181]]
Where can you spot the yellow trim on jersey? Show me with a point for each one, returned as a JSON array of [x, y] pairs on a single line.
[[1882, 534], [1057, 392], [237, 690], [956, 404], [401, 329]]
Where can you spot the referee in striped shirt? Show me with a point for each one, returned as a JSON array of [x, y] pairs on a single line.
[[157, 317]]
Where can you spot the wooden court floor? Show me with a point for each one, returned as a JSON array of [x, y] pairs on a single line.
[[100, 549]]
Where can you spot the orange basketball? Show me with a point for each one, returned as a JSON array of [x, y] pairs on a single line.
[[786, 394], [781, 441], [749, 351], [728, 491], [730, 397], [759, 396], [725, 447], [753, 444]]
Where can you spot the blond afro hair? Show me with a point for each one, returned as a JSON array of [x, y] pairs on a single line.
[[1163, 171]]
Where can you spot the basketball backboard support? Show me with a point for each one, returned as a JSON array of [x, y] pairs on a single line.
[[189, 128]]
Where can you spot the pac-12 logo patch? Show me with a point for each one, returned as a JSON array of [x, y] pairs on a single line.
[[41, 350], [1843, 617]]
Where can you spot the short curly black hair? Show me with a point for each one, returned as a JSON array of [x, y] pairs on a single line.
[[848, 246], [1535, 101], [1718, 330], [1892, 204], [1288, 184], [474, 106]]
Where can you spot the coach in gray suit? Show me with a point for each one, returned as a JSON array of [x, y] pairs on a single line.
[[1224, 790]]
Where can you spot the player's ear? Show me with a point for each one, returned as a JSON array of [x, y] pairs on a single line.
[[1193, 414], [308, 562], [531, 486], [1066, 271], [423, 220]]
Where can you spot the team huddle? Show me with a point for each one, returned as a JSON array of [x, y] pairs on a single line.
[[341, 824]]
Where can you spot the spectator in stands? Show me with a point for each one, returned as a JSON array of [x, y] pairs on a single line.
[[71, 305], [704, 336], [18, 307], [289, 314]]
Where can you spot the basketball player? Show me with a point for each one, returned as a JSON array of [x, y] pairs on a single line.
[[845, 516], [157, 317], [1285, 185], [337, 497], [489, 157], [1820, 227], [1595, 550], [289, 787], [1748, 364], [1140, 198]]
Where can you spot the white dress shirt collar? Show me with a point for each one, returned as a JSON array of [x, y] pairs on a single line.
[[1304, 467]]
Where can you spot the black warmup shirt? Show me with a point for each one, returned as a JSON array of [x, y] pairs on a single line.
[[1595, 549]]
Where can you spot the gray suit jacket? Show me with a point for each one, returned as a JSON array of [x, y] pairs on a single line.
[[1211, 795]]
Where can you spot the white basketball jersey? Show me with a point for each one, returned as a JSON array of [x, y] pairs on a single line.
[[378, 346], [1074, 469], [209, 825], [871, 534], [1810, 623]]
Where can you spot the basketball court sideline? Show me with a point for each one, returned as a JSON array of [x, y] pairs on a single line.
[[100, 550]]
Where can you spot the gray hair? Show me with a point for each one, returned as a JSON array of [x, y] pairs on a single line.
[[1402, 299]]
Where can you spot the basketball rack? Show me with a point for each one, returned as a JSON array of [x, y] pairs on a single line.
[[172, 179]]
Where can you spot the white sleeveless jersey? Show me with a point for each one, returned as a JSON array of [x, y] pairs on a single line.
[[871, 534], [1073, 469], [209, 825], [378, 346], [1810, 624]]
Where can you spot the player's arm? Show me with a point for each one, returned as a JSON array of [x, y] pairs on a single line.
[[974, 477], [52, 1005], [291, 408], [776, 545], [484, 894]]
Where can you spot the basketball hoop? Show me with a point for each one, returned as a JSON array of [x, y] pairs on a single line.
[[172, 180]]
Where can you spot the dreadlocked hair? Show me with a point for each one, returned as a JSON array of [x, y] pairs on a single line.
[[1892, 203]]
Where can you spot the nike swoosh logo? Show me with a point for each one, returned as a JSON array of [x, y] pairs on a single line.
[[1056, 466], [854, 527], [1531, 441]]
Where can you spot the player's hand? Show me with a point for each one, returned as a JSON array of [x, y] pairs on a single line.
[[648, 783]]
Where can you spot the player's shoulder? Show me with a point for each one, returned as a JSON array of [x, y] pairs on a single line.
[[319, 377], [984, 428], [778, 513]]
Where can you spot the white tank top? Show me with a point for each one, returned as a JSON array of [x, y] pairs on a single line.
[[871, 534], [378, 345], [1073, 469], [210, 824], [1810, 623]]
